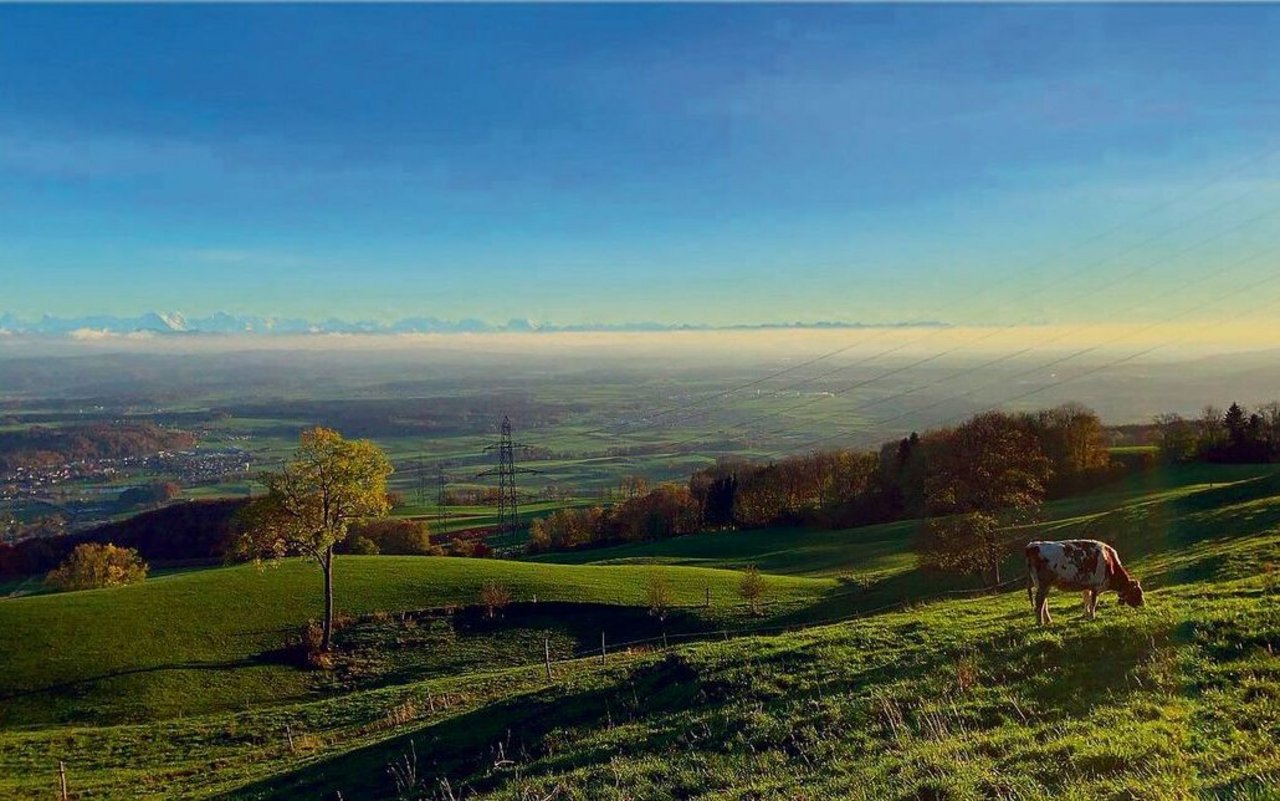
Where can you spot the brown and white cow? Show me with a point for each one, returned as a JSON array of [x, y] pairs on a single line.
[[1087, 565]]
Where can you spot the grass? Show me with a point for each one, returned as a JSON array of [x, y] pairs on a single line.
[[885, 550], [954, 699], [790, 551], [959, 699], [206, 640]]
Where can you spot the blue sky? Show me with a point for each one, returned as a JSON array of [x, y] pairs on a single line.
[[714, 164]]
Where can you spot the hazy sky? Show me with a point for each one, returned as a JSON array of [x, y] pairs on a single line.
[[714, 164]]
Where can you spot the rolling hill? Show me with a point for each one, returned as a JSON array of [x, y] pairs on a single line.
[[951, 697], [207, 640]]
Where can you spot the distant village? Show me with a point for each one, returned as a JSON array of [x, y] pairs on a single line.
[[87, 490]]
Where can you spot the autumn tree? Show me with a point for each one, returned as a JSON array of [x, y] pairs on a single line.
[[392, 536], [761, 498], [1074, 441], [494, 596], [668, 510], [633, 486], [92, 566], [983, 477], [539, 535], [312, 502], [568, 528]]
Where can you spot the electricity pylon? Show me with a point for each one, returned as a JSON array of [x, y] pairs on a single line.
[[506, 471]]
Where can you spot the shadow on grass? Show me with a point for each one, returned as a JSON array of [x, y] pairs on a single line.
[[466, 745], [79, 684]]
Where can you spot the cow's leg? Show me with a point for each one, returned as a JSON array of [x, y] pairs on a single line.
[[1093, 603], [1042, 604], [1090, 599]]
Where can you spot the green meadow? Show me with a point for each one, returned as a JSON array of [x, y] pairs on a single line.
[[206, 640], [175, 689]]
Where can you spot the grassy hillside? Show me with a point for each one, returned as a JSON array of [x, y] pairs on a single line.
[[885, 549], [961, 698], [958, 699], [206, 640]]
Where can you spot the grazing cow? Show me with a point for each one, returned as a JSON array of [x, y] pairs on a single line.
[[1087, 565]]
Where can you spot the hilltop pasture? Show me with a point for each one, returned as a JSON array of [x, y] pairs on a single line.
[[954, 697], [206, 640], [957, 699]]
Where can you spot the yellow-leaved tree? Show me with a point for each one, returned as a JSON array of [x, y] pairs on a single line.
[[311, 502], [92, 565]]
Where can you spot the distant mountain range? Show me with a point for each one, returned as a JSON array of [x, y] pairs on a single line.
[[224, 323]]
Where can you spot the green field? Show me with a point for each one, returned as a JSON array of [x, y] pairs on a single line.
[[600, 436], [168, 690], [201, 641]]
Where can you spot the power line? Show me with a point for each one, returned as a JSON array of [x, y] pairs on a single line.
[[1053, 363], [1021, 352], [1264, 156], [997, 330], [442, 508], [421, 471], [506, 471], [934, 313]]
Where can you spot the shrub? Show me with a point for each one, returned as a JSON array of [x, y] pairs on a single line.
[[394, 537], [460, 546], [362, 546], [856, 582], [304, 647], [465, 546], [752, 588], [91, 566], [539, 535], [494, 596], [657, 593]]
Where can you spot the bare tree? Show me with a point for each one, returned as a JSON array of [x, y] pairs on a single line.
[[752, 588], [657, 594]]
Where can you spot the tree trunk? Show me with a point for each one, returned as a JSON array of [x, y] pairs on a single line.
[[328, 599]]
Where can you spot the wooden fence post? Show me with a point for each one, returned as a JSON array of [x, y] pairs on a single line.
[[546, 652], [604, 659], [288, 733], [62, 778], [707, 602]]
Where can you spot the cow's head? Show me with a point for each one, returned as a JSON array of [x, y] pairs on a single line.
[[1131, 594]]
